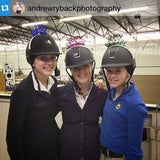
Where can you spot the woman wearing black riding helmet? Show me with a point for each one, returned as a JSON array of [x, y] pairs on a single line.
[[82, 104], [32, 133], [124, 112]]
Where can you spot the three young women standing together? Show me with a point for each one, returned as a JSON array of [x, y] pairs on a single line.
[[32, 132]]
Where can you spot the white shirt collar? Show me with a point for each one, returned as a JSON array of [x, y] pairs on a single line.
[[81, 100], [42, 87]]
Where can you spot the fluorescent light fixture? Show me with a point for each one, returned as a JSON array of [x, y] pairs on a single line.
[[147, 36], [129, 10], [34, 23], [75, 18], [5, 27]]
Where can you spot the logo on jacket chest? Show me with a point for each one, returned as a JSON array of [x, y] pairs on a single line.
[[118, 106]]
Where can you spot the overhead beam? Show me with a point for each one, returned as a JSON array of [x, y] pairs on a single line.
[[120, 24]]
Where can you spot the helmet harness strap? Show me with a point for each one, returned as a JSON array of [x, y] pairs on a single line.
[[36, 79], [107, 83], [92, 77], [75, 83]]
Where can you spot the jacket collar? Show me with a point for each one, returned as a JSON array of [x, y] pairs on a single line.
[[42, 87], [93, 94]]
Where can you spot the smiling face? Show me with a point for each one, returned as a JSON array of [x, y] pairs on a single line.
[[117, 77], [44, 65], [82, 74]]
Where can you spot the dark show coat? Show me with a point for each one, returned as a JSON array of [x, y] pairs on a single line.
[[32, 133], [80, 130]]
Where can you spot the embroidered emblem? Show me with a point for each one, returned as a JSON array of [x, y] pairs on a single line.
[[118, 106], [48, 42], [111, 54], [76, 55]]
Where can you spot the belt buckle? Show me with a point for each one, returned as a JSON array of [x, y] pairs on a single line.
[[115, 155], [110, 154]]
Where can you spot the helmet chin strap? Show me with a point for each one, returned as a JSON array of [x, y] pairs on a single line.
[[107, 83], [75, 83], [92, 77], [36, 79], [130, 71], [127, 83]]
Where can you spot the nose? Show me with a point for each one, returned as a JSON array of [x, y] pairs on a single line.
[[51, 62], [112, 74], [81, 69]]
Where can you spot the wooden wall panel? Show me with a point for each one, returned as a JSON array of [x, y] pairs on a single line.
[[4, 106], [2, 81], [149, 87]]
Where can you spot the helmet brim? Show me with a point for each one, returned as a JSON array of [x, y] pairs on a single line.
[[77, 65]]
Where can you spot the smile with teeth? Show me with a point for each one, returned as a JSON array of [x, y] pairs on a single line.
[[81, 76], [48, 68], [113, 81]]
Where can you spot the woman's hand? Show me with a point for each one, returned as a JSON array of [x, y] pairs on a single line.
[[100, 84]]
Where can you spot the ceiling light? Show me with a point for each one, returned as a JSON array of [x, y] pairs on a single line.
[[34, 23], [147, 36], [129, 10], [74, 18], [5, 27]]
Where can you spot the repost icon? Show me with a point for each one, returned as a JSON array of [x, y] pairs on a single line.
[[5, 8]]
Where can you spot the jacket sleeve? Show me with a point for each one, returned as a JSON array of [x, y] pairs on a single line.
[[55, 92], [136, 120], [16, 117]]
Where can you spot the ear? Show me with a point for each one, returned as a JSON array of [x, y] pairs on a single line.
[[33, 65], [128, 76]]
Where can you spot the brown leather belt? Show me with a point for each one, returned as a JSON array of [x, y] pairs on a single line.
[[106, 151]]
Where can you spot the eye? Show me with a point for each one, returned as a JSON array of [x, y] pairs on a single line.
[[43, 58], [53, 58], [75, 68], [118, 71], [86, 66], [109, 71]]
